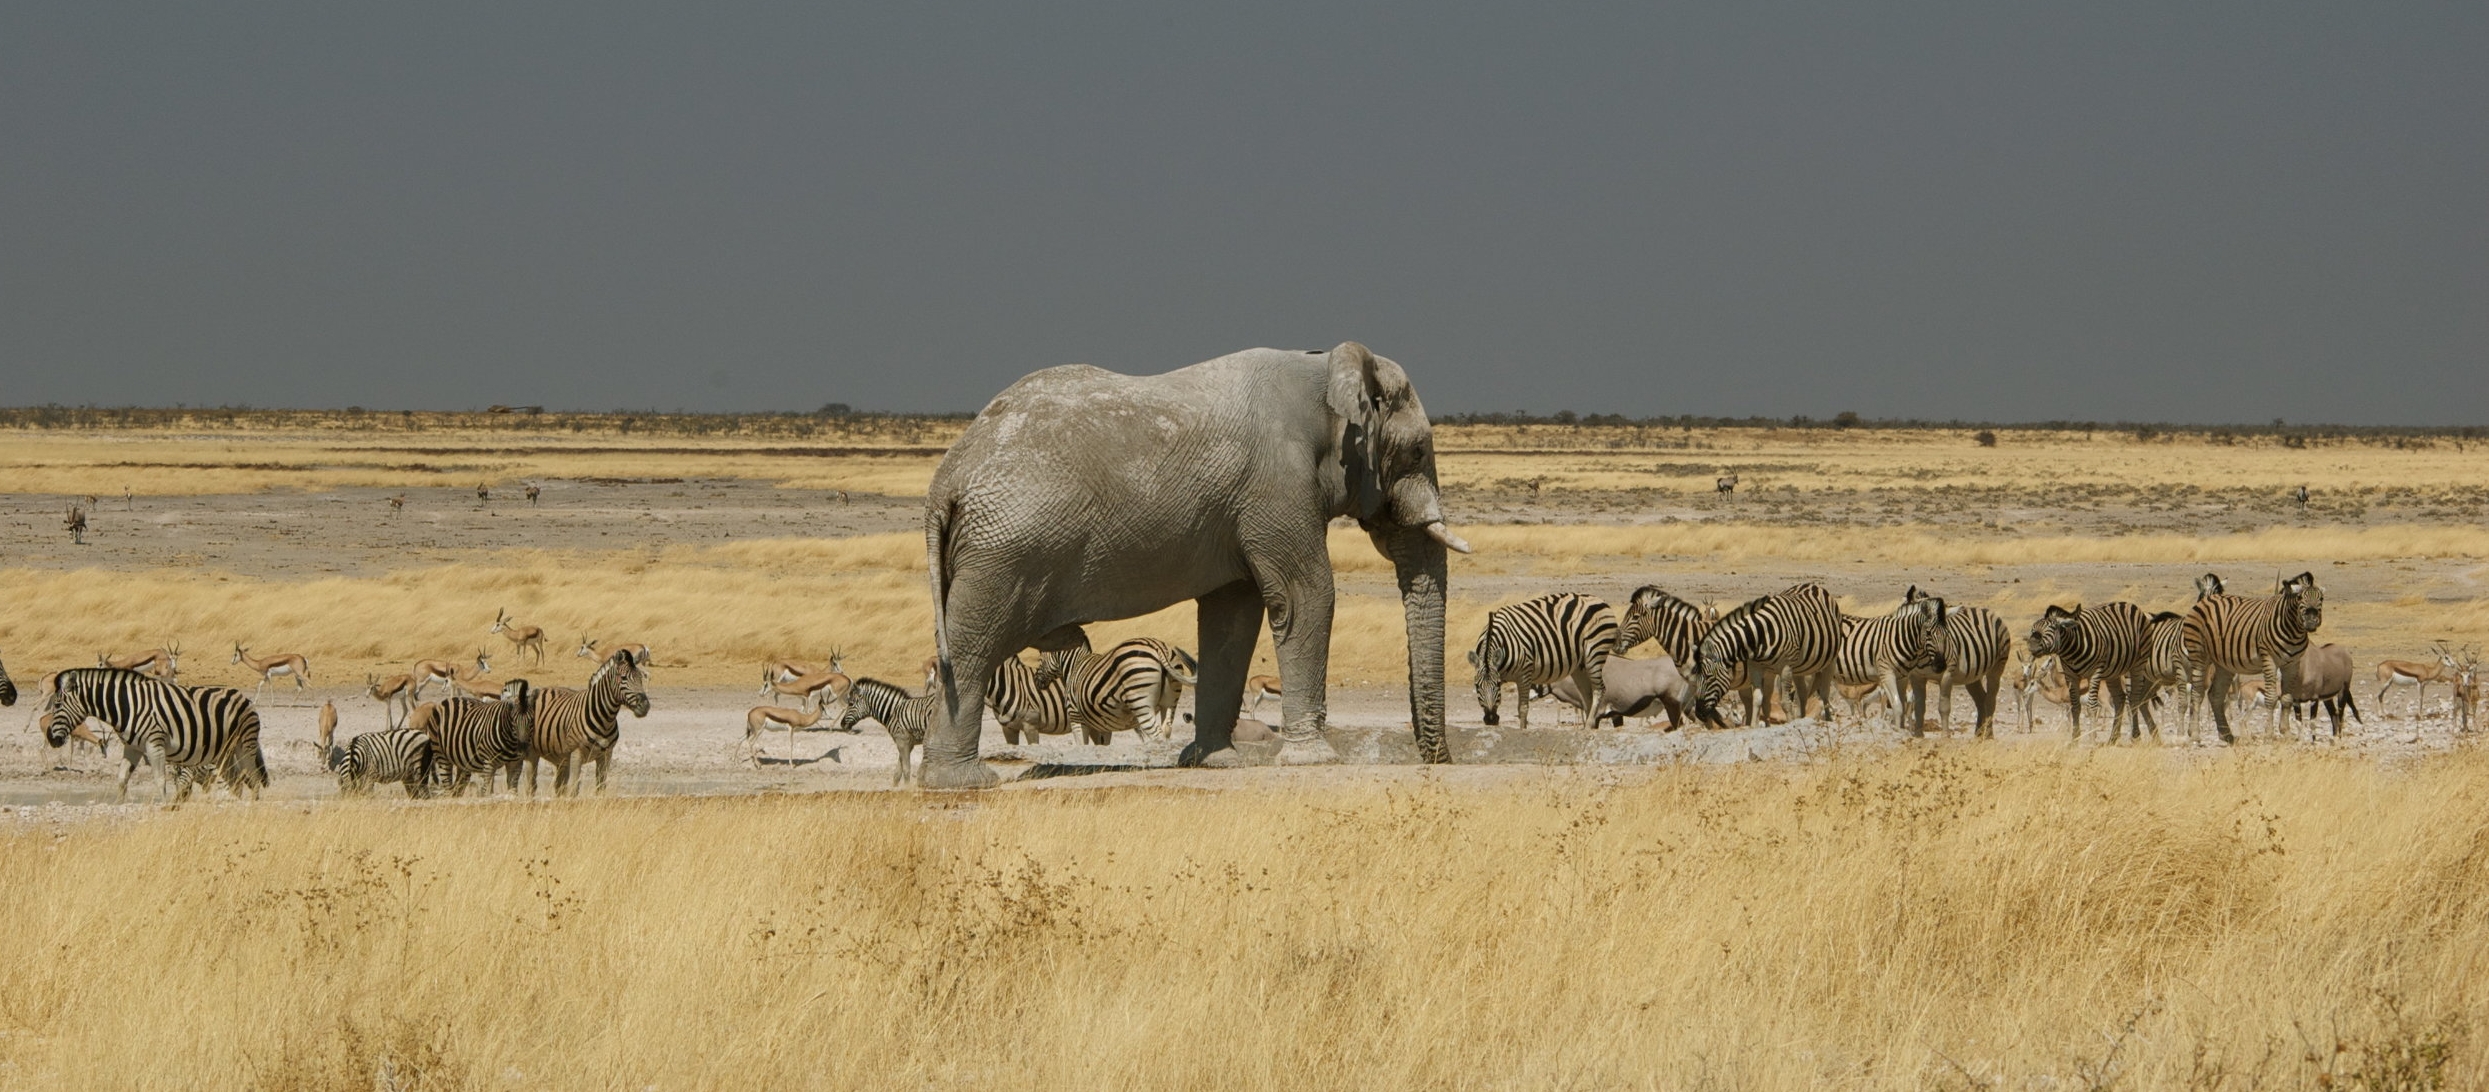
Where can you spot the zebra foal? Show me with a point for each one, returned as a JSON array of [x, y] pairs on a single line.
[[905, 717], [2230, 635], [1533, 643], [374, 758]]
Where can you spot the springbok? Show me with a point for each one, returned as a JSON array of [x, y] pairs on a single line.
[[763, 716], [476, 686], [397, 504], [427, 672], [2466, 691], [809, 689], [528, 639], [396, 695], [269, 668], [161, 663], [588, 650], [784, 670], [1259, 687], [2393, 673]]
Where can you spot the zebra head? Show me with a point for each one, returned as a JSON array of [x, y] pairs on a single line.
[[1720, 661], [2054, 632], [1491, 660], [624, 669], [2208, 584], [873, 698], [2305, 601], [1926, 631], [63, 711], [520, 706]]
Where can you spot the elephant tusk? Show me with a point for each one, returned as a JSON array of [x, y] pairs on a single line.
[[1440, 533]]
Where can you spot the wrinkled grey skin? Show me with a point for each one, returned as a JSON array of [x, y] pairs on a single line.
[[1080, 495]]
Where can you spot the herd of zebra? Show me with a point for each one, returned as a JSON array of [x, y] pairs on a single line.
[[1799, 641], [198, 736]]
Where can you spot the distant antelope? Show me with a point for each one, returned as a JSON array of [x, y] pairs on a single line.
[[76, 524], [427, 672], [483, 494], [528, 639], [396, 695], [532, 492], [397, 504], [1259, 687], [1724, 484], [129, 500], [2301, 495], [763, 716], [2466, 691], [161, 663], [269, 668], [2393, 673]]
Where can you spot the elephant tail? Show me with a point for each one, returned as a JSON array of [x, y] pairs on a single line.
[[938, 517]]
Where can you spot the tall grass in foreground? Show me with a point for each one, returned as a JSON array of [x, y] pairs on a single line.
[[1943, 918]]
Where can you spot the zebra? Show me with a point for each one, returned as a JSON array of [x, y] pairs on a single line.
[[1133, 687], [372, 758], [2207, 584], [8, 690], [1976, 646], [2227, 635], [2094, 644], [1023, 706], [1677, 625], [574, 726], [904, 716], [1796, 630], [2163, 665], [1898, 652], [190, 734], [1534, 642], [473, 736]]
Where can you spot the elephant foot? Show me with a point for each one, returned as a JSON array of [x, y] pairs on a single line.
[[971, 774], [1314, 751], [1225, 758]]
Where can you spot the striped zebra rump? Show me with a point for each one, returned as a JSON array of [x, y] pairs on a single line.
[[906, 717], [1025, 708], [1533, 643], [1796, 630], [2227, 635], [2103, 642], [1677, 625], [572, 723], [1131, 687], [1977, 647], [193, 735], [400, 755], [472, 736]]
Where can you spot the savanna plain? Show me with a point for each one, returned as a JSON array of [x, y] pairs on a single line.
[[1782, 906]]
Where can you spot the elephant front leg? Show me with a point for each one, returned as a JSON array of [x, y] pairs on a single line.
[[1230, 625], [1301, 628]]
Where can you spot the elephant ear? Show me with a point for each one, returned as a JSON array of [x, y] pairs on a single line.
[[1364, 389]]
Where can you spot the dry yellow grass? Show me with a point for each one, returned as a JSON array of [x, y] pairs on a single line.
[[1946, 918]]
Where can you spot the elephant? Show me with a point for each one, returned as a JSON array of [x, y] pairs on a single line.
[[1081, 495]]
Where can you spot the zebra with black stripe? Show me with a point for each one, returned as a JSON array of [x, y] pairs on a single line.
[[1977, 646], [2095, 644], [1654, 614], [375, 758], [1024, 707], [1533, 643], [1796, 631], [579, 724], [472, 736], [192, 735], [1897, 652], [2163, 666], [2229, 635], [906, 717], [1133, 687]]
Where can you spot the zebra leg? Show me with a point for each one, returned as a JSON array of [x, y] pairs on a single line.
[[2273, 686], [1229, 623], [2217, 695], [1944, 706]]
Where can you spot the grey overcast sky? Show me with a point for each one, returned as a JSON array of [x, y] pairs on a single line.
[[2114, 211]]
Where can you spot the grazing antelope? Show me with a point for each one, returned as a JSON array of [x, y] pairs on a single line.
[[533, 492], [1259, 687], [427, 672], [763, 716], [1725, 484], [283, 663], [160, 663], [2393, 673], [396, 695], [528, 639], [76, 524], [587, 650]]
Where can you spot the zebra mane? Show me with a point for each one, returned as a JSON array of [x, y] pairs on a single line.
[[891, 692]]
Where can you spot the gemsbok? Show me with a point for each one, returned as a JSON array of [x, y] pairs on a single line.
[[75, 523], [271, 667], [529, 640], [2418, 676]]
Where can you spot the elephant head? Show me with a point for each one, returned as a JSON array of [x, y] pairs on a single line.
[[1386, 468]]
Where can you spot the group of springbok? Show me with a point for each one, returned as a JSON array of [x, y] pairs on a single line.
[[165, 663], [400, 693]]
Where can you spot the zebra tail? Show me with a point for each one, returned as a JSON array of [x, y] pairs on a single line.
[[1184, 669]]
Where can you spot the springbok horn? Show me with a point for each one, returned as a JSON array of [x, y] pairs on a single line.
[[1440, 533]]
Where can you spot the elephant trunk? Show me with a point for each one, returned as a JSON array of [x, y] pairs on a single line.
[[1418, 558]]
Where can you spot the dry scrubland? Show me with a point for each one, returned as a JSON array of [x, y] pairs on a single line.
[[1943, 918]]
